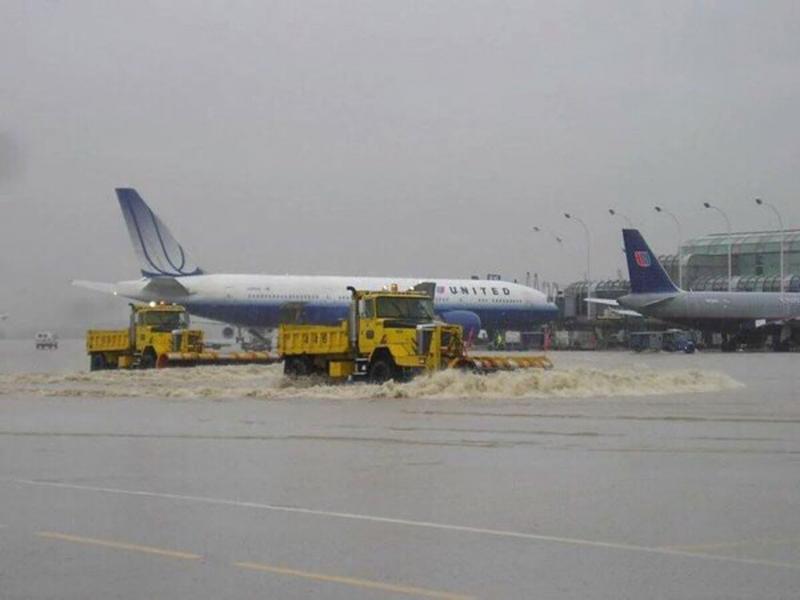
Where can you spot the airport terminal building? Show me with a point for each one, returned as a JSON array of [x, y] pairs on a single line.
[[755, 261]]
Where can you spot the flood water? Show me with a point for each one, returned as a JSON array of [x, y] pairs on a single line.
[[60, 372]]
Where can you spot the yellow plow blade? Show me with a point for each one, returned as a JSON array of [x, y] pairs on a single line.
[[193, 359], [491, 364]]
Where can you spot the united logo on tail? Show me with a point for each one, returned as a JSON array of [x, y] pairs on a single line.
[[642, 258]]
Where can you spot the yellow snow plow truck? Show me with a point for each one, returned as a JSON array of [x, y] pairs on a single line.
[[388, 335], [159, 336]]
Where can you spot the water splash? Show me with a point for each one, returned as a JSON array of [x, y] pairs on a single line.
[[268, 382]]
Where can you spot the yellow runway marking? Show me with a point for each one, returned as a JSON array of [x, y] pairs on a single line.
[[353, 581], [51, 535]]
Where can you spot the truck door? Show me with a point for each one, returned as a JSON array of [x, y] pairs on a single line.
[[368, 336]]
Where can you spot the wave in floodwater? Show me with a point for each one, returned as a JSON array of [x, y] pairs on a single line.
[[268, 382]]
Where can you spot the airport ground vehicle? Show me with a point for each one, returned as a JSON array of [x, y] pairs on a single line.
[[671, 340], [575, 340], [158, 336], [388, 335], [46, 340]]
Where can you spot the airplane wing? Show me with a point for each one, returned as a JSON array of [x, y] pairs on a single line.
[[625, 312], [96, 286], [614, 306], [603, 301]]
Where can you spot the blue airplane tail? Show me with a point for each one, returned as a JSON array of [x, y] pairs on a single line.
[[159, 253], [646, 273]]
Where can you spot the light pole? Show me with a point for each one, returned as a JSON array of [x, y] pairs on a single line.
[[616, 213], [588, 260], [728, 223], [760, 202], [660, 209]]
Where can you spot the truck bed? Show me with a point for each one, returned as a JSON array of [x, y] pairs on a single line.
[[313, 339], [107, 340]]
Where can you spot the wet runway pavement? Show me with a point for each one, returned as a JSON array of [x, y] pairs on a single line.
[[684, 495]]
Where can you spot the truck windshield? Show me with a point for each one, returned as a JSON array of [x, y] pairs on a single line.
[[164, 320], [412, 309]]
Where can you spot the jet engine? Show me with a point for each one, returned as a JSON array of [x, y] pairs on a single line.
[[469, 321]]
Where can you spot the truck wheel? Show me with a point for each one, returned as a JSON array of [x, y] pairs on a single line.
[[97, 362], [295, 366], [381, 370], [289, 367], [404, 375], [148, 359]]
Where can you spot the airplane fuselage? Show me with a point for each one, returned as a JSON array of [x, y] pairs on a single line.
[[263, 300], [723, 310]]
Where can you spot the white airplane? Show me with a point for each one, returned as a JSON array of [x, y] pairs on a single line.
[[169, 274]]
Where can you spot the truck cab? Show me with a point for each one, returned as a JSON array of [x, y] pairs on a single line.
[[399, 333], [162, 328], [154, 330]]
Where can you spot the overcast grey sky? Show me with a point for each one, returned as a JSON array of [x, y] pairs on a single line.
[[408, 138]]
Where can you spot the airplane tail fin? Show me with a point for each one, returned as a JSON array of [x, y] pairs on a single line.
[[646, 273], [159, 253]]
